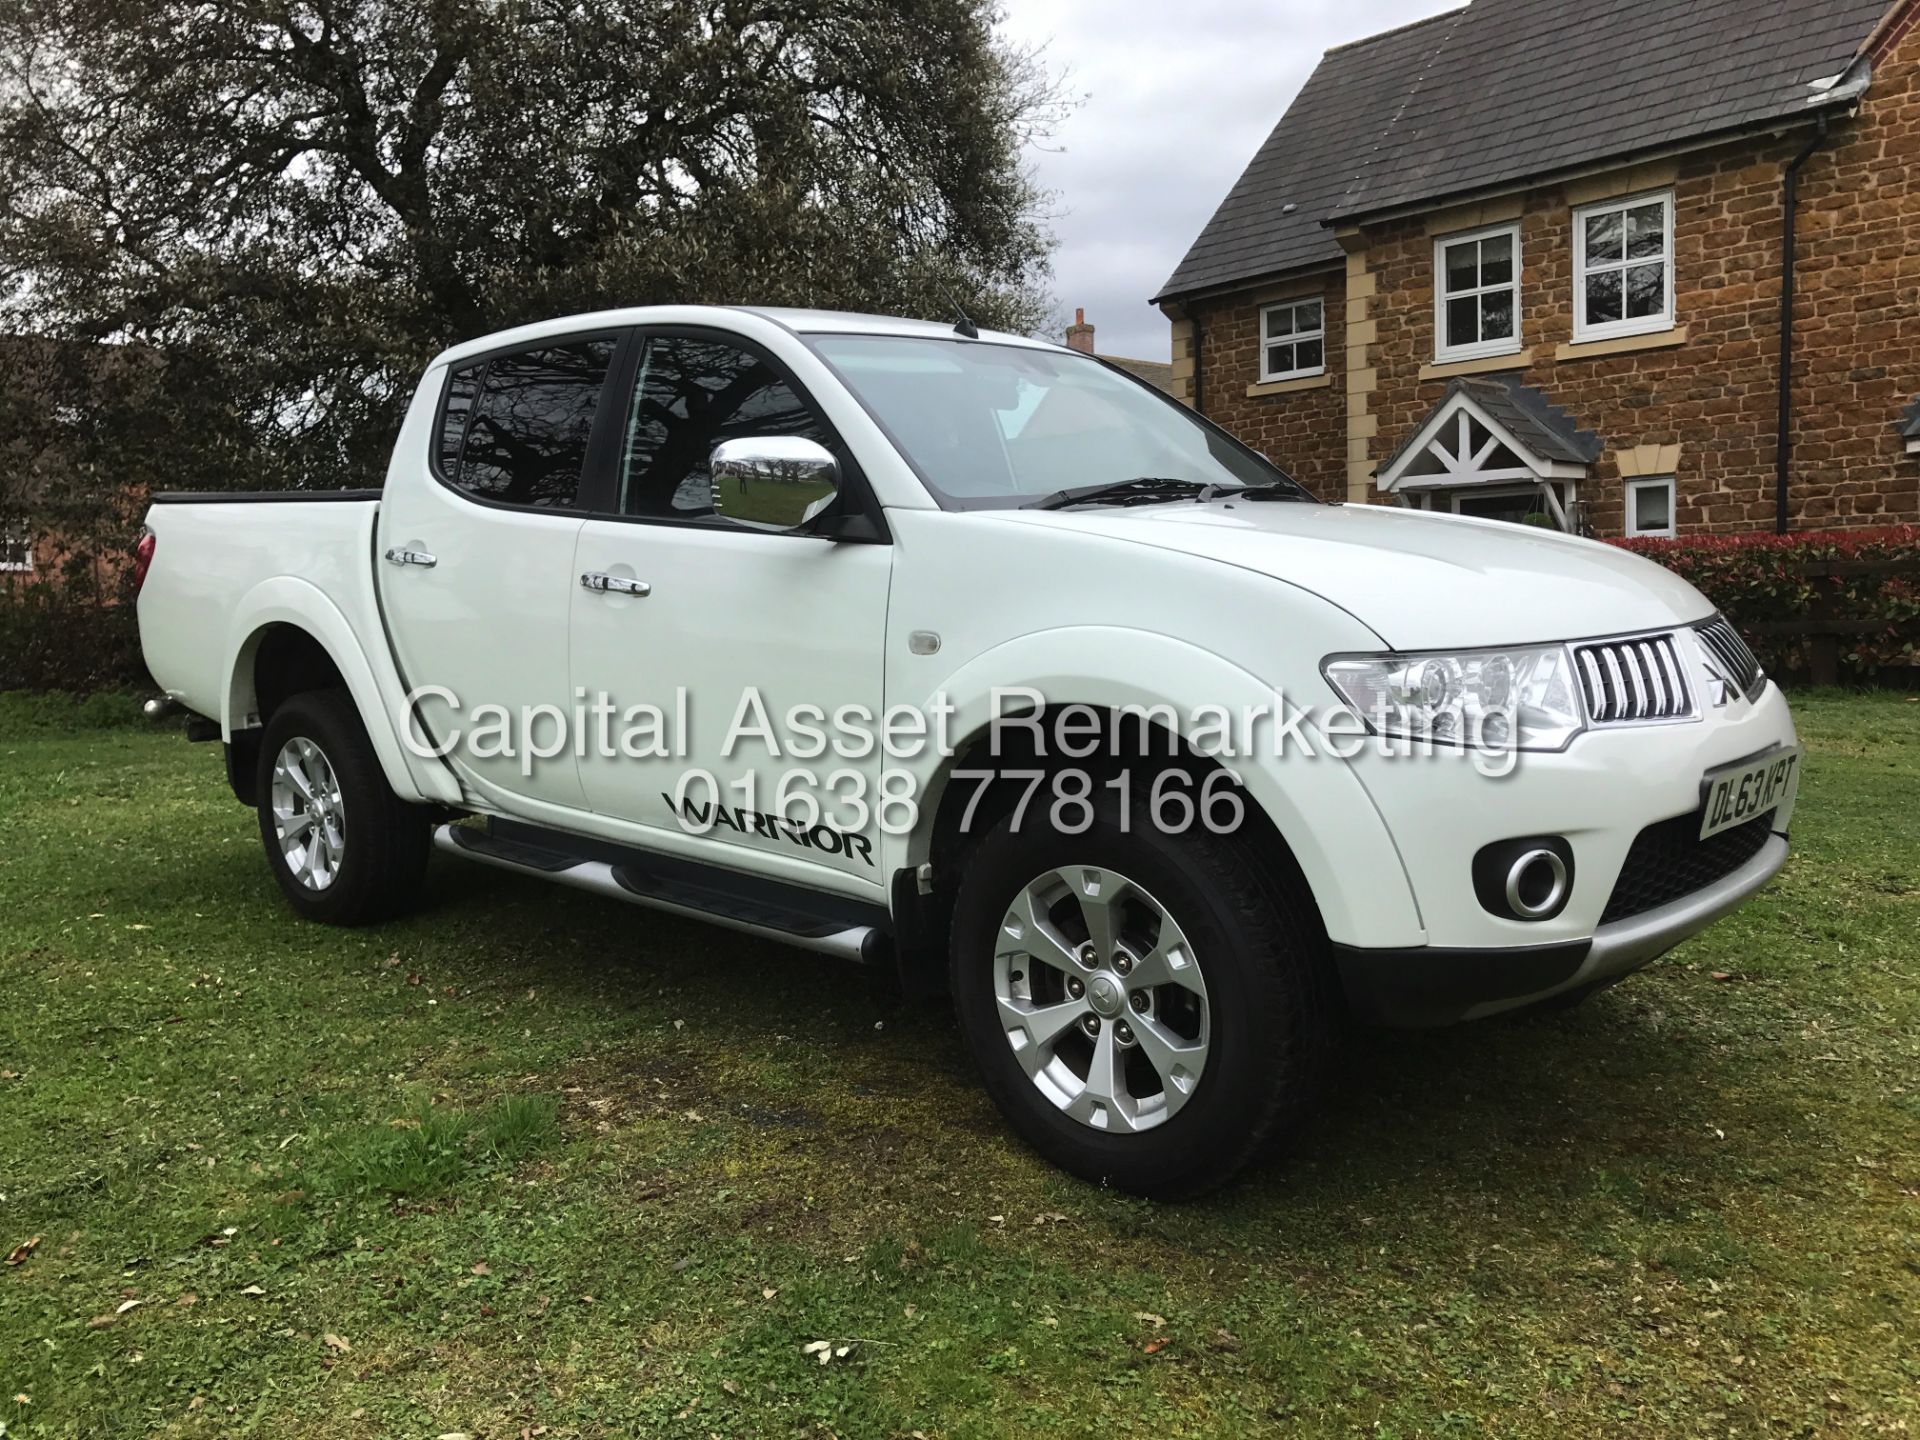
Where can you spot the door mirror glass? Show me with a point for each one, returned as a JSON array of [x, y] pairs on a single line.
[[773, 482]]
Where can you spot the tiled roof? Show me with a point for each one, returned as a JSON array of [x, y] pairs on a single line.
[[1307, 163], [1545, 430], [1505, 91], [1157, 373]]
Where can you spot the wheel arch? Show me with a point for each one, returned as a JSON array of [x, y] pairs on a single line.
[[1314, 811], [291, 638]]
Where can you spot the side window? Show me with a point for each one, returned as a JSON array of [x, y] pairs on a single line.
[[462, 389], [527, 420], [689, 396]]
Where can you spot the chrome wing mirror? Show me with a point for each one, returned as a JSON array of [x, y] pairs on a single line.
[[773, 482]]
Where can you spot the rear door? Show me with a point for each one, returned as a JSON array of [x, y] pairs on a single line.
[[730, 610], [476, 563]]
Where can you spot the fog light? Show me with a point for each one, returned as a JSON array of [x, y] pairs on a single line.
[[1536, 884], [1529, 879]]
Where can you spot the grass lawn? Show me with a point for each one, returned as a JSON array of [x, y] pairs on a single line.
[[531, 1163]]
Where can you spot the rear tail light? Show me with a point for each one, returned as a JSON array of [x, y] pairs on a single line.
[[143, 558]]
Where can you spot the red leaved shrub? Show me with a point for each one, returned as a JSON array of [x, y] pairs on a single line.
[[1783, 590]]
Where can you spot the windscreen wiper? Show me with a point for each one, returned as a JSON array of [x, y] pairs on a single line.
[[1145, 490]]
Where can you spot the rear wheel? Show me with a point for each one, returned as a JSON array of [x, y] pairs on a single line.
[[1147, 1009], [344, 848]]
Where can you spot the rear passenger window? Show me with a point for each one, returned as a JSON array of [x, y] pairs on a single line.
[[461, 392], [515, 430], [691, 395]]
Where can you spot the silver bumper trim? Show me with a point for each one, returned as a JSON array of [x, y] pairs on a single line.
[[1626, 945]]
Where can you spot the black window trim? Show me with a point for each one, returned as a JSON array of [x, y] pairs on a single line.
[[600, 496], [622, 337]]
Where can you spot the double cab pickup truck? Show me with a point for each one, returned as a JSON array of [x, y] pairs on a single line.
[[963, 654]]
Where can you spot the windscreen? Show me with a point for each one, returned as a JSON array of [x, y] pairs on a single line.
[[1002, 425]]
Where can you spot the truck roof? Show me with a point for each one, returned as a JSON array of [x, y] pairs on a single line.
[[805, 322]]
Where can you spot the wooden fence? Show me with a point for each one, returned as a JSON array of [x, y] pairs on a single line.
[[1824, 629]]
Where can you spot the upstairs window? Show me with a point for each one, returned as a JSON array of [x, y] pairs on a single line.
[[1293, 340], [16, 549], [1623, 268], [1477, 294]]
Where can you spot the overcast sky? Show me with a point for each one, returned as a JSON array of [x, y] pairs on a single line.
[[1174, 99]]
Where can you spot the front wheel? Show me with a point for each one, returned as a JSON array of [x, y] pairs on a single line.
[[344, 848], [1148, 1009]]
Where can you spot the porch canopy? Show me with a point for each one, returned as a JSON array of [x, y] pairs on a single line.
[[1493, 432]]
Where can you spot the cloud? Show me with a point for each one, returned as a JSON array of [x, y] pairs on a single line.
[[1174, 100]]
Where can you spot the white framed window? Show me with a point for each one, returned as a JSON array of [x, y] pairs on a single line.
[[1650, 507], [1623, 267], [1293, 340], [1476, 294], [1516, 504], [16, 549]]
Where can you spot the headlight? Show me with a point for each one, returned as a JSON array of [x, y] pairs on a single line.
[[1520, 698]]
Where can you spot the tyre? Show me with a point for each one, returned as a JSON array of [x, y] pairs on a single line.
[[1147, 1009], [344, 848]]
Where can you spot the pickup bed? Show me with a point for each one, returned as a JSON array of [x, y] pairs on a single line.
[[973, 657]]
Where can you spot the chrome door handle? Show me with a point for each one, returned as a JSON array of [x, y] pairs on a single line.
[[615, 584], [421, 558]]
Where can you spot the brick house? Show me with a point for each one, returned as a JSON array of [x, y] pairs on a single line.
[[1529, 259]]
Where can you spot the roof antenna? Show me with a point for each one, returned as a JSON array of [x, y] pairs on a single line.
[[962, 325]]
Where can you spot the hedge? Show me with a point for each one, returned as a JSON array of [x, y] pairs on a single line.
[[1858, 590], [55, 637]]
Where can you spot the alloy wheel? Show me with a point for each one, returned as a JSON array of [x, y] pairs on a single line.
[[309, 813], [1101, 998]]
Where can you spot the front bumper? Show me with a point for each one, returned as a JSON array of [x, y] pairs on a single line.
[[1430, 986]]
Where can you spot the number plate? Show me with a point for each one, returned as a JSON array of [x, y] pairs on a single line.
[[1739, 793]]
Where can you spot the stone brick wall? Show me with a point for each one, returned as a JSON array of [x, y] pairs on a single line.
[[1303, 431], [1712, 395]]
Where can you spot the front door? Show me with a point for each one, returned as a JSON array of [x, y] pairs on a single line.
[[476, 565], [696, 624]]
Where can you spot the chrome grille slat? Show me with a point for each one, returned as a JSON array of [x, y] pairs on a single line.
[[1590, 683], [1644, 652], [1617, 700], [1671, 664], [1727, 647], [1635, 681]]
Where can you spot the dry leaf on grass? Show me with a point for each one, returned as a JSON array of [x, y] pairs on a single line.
[[1155, 1346], [18, 1255], [336, 1342], [253, 1290], [483, 1268]]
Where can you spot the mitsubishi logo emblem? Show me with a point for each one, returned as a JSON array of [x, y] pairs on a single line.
[[1721, 687]]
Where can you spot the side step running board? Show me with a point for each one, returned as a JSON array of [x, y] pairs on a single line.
[[765, 908]]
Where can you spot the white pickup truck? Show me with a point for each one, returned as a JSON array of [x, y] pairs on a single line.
[[966, 654]]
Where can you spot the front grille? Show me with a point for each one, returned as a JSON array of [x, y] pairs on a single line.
[[1723, 643], [1624, 681], [1670, 860]]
